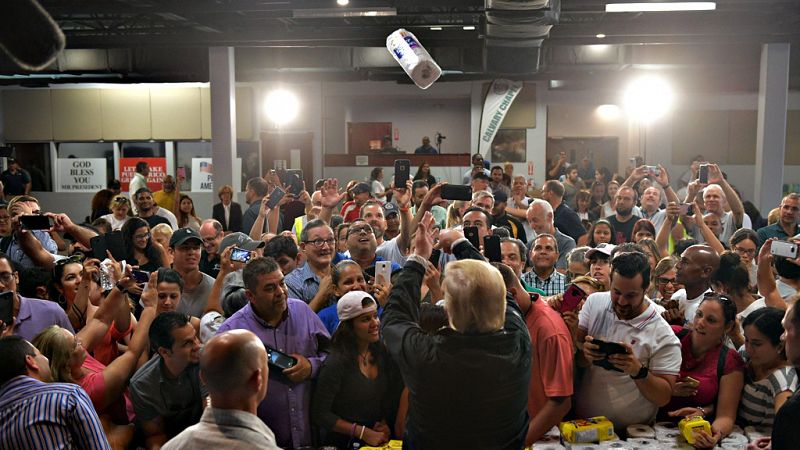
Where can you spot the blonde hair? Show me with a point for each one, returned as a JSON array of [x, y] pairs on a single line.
[[52, 342], [475, 296], [162, 229], [227, 188], [772, 218], [453, 216]]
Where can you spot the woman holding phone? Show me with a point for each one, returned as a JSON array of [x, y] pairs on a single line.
[[358, 387], [712, 374]]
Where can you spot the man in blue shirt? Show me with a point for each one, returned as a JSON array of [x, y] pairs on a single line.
[[787, 222], [426, 148]]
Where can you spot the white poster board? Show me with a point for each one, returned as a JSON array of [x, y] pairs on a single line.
[[203, 174], [81, 174]]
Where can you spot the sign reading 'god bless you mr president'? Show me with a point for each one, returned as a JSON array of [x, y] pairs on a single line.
[[81, 174]]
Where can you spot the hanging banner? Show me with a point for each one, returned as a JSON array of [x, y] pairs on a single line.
[[203, 173], [158, 170], [81, 174], [498, 100]]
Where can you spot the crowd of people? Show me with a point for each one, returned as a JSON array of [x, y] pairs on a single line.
[[345, 316]]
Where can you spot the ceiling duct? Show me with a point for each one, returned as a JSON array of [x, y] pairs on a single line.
[[515, 30]]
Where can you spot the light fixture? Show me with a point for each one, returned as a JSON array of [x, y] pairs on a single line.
[[436, 28], [281, 106], [608, 112], [661, 6], [601, 36], [598, 48], [469, 28], [648, 98], [342, 2]]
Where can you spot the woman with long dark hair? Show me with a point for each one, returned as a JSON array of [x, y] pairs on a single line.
[[185, 214], [424, 173], [142, 250], [358, 388], [101, 204]]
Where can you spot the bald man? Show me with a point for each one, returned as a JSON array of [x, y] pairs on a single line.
[[234, 368], [694, 270]]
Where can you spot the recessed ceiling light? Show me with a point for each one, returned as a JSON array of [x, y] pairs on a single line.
[[601, 36], [342, 2], [436, 28], [661, 6], [469, 28]]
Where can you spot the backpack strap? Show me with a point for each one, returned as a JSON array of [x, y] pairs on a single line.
[[723, 352]]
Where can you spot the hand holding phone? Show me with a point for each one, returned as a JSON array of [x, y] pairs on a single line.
[[240, 255], [383, 272], [686, 209], [275, 197], [471, 233], [280, 360], [702, 176], [36, 222], [402, 172], [784, 249], [456, 192], [491, 249], [571, 298]]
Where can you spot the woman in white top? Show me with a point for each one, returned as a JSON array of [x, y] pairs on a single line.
[[769, 379], [120, 212], [376, 178], [731, 279]]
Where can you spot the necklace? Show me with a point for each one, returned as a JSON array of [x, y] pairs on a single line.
[[364, 358]]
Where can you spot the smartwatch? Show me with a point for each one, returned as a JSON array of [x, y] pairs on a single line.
[[642, 373]]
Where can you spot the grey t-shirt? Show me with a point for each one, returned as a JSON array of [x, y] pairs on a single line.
[[194, 302]]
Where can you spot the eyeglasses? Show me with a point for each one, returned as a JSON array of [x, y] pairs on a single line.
[[140, 237], [718, 296], [366, 229], [209, 240], [744, 251], [320, 242], [662, 280], [70, 260], [6, 277]]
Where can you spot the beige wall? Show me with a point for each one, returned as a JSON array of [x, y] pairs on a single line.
[[123, 113]]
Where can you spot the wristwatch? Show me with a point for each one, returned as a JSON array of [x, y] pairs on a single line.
[[121, 287], [642, 373]]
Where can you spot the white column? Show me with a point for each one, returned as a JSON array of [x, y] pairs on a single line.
[[223, 114], [773, 93]]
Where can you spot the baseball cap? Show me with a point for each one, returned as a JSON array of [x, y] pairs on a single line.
[[240, 240], [360, 188], [500, 197], [182, 235], [351, 305], [603, 248], [390, 208]]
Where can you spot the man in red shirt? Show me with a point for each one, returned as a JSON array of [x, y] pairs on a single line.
[[551, 352], [352, 210]]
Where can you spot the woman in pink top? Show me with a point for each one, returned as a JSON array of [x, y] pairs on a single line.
[[71, 363], [712, 374]]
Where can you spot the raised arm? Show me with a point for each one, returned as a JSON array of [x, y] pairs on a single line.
[[329, 198], [735, 203], [765, 278]]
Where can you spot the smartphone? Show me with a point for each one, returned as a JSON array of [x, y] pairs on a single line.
[[7, 307], [686, 209], [110, 242], [783, 248], [383, 269], [294, 181], [275, 197], [240, 255], [140, 276], [690, 380], [181, 172], [471, 233], [703, 174], [491, 248], [280, 360], [572, 296], [609, 348], [653, 171], [36, 222], [402, 171], [456, 192]]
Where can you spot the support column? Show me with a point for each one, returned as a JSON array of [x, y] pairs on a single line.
[[773, 93], [223, 115]]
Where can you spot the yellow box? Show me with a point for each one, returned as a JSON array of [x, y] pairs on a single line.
[[593, 429], [394, 444], [692, 424]]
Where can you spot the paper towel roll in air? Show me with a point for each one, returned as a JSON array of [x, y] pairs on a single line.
[[413, 58], [640, 431]]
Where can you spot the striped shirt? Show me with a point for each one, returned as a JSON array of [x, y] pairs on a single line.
[[757, 406], [37, 415]]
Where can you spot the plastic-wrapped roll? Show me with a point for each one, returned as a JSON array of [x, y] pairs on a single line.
[[757, 432], [554, 432], [640, 431], [584, 447], [675, 446], [736, 437], [547, 446], [737, 429], [733, 445], [617, 445], [413, 58], [668, 435], [644, 442]]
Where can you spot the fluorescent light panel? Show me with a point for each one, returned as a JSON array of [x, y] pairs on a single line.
[[661, 6]]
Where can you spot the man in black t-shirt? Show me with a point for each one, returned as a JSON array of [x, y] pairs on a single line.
[[624, 220], [16, 180]]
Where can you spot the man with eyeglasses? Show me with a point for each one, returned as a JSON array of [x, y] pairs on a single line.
[[212, 234], [31, 315], [150, 212], [317, 244], [362, 246], [787, 225]]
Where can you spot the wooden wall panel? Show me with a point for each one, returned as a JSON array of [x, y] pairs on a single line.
[[176, 113], [27, 115], [126, 114], [76, 115]]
